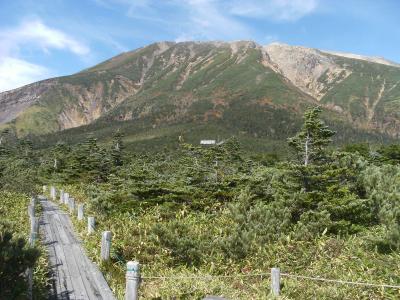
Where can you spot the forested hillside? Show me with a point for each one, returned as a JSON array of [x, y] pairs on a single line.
[[320, 211]]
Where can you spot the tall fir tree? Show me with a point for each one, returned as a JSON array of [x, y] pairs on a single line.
[[117, 149], [309, 144]]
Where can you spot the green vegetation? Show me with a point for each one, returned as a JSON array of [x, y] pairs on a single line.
[[254, 202], [370, 94], [197, 211], [206, 90], [15, 253], [18, 180]]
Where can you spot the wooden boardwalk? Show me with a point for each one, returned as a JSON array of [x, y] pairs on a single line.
[[74, 275]]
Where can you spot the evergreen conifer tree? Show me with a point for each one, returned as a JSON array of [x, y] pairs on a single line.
[[117, 149], [309, 144], [323, 183]]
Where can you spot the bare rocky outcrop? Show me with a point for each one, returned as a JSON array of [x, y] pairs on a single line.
[[13, 102], [88, 105], [308, 69], [92, 102], [162, 47]]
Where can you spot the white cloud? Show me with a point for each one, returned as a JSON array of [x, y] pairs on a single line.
[[31, 35], [16, 72], [38, 34], [208, 20], [279, 10]]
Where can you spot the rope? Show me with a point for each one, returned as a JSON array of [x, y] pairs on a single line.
[[209, 277], [205, 276], [342, 281]]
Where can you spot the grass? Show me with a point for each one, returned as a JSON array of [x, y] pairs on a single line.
[[13, 210], [35, 120], [351, 258]]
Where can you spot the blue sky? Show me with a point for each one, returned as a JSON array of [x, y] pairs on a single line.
[[47, 38]]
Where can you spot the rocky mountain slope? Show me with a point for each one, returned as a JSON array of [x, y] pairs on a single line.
[[240, 86]]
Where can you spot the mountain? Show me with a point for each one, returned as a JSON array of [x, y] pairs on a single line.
[[207, 89]]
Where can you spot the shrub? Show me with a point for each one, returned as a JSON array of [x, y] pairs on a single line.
[[15, 258]]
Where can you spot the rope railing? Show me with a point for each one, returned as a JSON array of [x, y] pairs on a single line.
[[205, 276], [268, 274], [341, 281], [275, 276]]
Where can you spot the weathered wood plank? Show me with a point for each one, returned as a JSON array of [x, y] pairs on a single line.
[[60, 274], [92, 289], [74, 275]]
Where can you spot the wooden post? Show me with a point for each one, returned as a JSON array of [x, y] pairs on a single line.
[[31, 211], [71, 205], [132, 280], [105, 245], [33, 201], [34, 231], [62, 196], [91, 225], [275, 281], [53, 193], [32, 240], [31, 208], [80, 212], [66, 198], [29, 272]]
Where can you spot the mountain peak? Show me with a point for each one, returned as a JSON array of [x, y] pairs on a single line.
[[171, 82]]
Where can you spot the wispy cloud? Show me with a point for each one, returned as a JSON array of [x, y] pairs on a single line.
[[198, 19], [32, 34], [209, 21], [37, 34], [278, 10], [212, 19]]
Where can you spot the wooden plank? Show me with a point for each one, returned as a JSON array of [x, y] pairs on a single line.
[[74, 275], [69, 240], [61, 277], [99, 279], [64, 278], [77, 288], [91, 287]]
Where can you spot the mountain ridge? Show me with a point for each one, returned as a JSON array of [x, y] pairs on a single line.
[[169, 83]]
